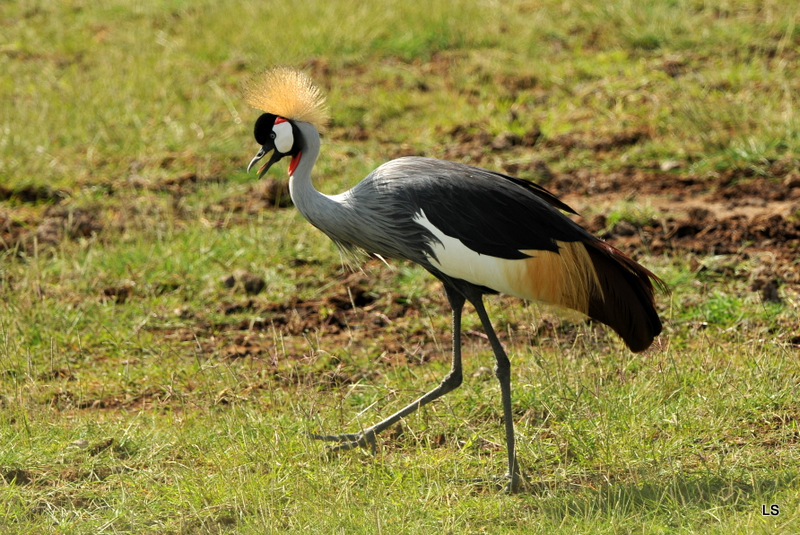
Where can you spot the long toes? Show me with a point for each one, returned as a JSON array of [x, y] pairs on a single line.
[[344, 446], [348, 441], [344, 438], [516, 483]]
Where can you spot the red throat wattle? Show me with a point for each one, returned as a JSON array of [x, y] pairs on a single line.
[[294, 162]]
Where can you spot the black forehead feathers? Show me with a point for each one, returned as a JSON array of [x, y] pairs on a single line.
[[263, 127]]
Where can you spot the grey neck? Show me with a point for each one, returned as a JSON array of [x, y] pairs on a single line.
[[317, 207]]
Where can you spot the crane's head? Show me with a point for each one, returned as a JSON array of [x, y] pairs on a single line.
[[285, 96], [277, 135]]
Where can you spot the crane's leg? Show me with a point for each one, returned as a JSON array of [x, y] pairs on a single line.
[[449, 383], [503, 372]]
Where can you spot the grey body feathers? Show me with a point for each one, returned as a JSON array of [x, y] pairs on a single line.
[[491, 213]]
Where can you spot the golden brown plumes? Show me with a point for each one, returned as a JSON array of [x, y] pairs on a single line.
[[596, 279], [565, 278], [288, 93]]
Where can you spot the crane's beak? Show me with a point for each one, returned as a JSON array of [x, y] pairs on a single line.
[[261, 153]]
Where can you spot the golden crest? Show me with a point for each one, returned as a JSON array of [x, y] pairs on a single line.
[[288, 93]]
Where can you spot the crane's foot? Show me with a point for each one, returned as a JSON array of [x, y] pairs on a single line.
[[515, 479], [349, 441], [515, 483]]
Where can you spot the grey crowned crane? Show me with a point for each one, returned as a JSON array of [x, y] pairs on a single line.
[[477, 231]]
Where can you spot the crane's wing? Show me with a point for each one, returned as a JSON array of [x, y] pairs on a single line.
[[491, 213]]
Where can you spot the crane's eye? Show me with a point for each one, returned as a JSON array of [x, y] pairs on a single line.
[[272, 135]]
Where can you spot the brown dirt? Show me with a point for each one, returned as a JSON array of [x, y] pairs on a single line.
[[351, 313], [746, 217], [267, 194], [24, 231]]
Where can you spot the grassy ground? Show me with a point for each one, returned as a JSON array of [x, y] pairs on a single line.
[[140, 394]]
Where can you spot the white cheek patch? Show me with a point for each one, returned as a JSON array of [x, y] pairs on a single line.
[[284, 138]]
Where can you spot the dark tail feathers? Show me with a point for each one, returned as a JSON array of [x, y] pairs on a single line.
[[628, 306]]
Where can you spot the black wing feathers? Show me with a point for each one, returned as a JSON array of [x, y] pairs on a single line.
[[491, 213]]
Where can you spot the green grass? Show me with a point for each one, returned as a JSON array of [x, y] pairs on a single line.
[[138, 394]]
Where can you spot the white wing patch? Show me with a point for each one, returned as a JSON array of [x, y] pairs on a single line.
[[455, 259], [565, 278]]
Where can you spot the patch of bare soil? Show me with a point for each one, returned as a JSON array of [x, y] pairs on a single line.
[[148, 398], [59, 223], [55, 224], [350, 314], [31, 194], [12, 231], [300, 341], [723, 215]]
